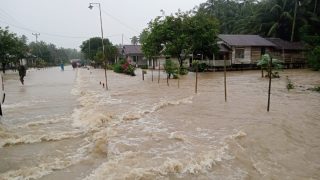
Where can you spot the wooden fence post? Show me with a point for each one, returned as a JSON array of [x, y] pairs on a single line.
[[225, 79], [270, 76]]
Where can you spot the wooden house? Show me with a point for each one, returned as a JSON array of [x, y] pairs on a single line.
[[133, 54], [291, 53], [244, 49]]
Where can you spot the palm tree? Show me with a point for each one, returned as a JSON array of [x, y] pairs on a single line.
[[134, 40]]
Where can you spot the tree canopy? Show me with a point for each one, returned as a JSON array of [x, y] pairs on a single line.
[[92, 49], [269, 18], [182, 32]]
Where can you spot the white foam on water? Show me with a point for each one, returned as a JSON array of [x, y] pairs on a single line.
[[119, 167], [29, 139], [23, 104], [128, 116], [46, 168]]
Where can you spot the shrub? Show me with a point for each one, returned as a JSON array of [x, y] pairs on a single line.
[[143, 66], [171, 68], [183, 71], [201, 66], [314, 58], [117, 68], [276, 65], [289, 84], [124, 67], [317, 89]]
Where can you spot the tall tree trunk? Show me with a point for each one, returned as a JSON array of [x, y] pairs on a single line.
[[294, 19], [315, 6], [4, 68]]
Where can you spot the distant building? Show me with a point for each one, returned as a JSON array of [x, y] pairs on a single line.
[[133, 54], [291, 53], [244, 49]]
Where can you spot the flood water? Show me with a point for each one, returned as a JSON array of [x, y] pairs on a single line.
[[64, 125]]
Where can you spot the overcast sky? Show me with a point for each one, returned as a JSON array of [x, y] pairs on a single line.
[[66, 23]]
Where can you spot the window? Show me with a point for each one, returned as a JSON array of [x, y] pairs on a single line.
[[239, 53]]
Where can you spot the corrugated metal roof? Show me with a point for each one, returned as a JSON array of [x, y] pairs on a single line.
[[132, 49], [286, 45], [244, 40]]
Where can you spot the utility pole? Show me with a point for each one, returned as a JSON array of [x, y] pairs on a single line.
[[103, 52], [36, 35], [122, 41], [89, 50]]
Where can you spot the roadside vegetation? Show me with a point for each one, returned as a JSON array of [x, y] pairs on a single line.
[[13, 48]]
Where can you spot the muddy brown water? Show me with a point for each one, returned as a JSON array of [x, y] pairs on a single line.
[[64, 125]]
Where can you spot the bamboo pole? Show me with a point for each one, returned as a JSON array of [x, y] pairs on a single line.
[[270, 76], [152, 74], [196, 85], [142, 75], [159, 73], [225, 79]]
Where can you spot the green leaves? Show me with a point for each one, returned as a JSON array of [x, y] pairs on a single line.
[[265, 60], [170, 35], [92, 49]]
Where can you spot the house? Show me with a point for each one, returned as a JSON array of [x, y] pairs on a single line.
[[291, 53], [243, 49], [133, 54]]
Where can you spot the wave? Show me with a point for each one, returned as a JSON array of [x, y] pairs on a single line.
[[45, 168], [23, 104], [156, 107], [10, 139], [169, 167]]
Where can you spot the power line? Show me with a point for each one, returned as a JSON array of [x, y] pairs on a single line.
[[119, 21], [53, 35]]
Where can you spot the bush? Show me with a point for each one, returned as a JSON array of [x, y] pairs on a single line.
[[117, 68], [314, 58], [289, 84], [317, 89], [124, 67], [171, 68], [143, 66], [201, 66], [183, 71]]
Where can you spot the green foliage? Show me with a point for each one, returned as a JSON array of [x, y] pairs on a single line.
[[124, 67], [196, 65], [92, 49], [12, 47], [314, 58], [183, 70], [134, 40], [51, 54], [171, 68], [170, 35], [316, 88], [143, 66], [269, 18], [264, 62], [289, 84]]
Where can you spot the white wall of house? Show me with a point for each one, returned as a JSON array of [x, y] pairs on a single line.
[[162, 61], [23, 62], [246, 55]]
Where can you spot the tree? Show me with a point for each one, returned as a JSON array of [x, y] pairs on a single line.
[[285, 19], [134, 40], [264, 62], [171, 68], [96, 50], [12, 47], [182, 32]]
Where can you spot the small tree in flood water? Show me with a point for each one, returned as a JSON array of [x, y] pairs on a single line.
[[264, 64], [171, 68]]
